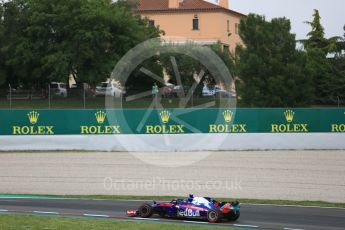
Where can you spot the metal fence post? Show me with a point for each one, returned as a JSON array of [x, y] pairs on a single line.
[[192, 98], [84, 96], [49, 95], [10, 95]]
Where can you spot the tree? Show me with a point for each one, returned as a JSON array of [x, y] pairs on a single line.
[[342, 44], [316, 37], [321, 71], [58, 38], [139, 81], [187, 66], [2, 60], [190, 69], [337, 84], [272, 72], [328, 80]]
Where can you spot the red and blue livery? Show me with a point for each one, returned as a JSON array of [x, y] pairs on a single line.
[[202, 208]]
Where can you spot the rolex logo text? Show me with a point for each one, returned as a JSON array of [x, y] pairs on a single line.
[[33, 129], [227, 127], [165, 128], [338, 128], [289, 126], [100, 117]]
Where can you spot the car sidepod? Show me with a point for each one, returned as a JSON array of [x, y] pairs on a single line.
[[166, 210], [188, 211]]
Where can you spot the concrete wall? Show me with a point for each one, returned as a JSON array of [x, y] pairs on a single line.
[[185, 142]]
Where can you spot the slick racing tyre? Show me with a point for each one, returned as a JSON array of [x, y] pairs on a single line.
[[233, 216], [214, 216], [145, 211]]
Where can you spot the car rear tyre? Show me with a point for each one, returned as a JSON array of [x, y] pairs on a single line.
[[145, 211], [233, 216], [214, 216]]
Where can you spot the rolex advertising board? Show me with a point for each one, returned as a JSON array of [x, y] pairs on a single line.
[[175, 121]]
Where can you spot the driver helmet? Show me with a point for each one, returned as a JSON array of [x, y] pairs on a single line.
[[190, 198]]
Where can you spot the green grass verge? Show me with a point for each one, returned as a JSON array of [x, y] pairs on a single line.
[[99, 103], [68, 103], [168, 198], [17, 222], [243, 201]]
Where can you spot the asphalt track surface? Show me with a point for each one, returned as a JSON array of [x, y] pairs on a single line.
[[252, 216]]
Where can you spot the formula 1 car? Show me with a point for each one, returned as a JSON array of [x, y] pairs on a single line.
[[203, 208]]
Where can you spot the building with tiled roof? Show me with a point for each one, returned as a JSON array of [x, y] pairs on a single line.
[[193, 20]]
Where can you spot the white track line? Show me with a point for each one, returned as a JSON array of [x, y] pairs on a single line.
[[291, 205], [3, 210], [95, 215], [292, 229], [246, 226], [138, 218], [41, 212], [194, 222]]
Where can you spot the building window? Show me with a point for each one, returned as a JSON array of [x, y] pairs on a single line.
[[228, 25], [196, 23], [152, 23], [236, 28]]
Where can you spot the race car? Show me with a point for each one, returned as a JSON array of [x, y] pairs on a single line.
[[203, 208]]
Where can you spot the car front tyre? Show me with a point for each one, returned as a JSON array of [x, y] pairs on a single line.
[[145, 211], [162, 214]]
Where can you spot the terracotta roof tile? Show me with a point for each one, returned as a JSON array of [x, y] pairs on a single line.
[[185, 5], [198, 4], [152, 4]]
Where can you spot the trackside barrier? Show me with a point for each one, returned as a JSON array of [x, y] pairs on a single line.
[[239, 128]]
